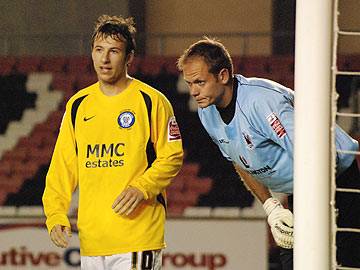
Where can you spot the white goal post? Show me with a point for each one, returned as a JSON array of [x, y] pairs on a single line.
[[312, 138]]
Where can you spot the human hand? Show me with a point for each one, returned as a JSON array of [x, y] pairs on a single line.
[[281, 223], [60, 235], [127, 201]]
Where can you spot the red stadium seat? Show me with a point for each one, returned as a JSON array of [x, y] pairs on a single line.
[[24, 142], [288, 82], [170, 65], [282, 64], [44, 140], [42, 128], [55, 116], [188, 198], [134, 66], [186, 189], [27, 64], [41, 156], [5, 169], [174, 210], [64, 82], [177, 184], [53, 64], [151, 65], [15, 155], [85, 80], [10, 185], [25, 170], [237, 64], [189, 169], [7, 64], [79, 65], [202, 185], [256, 66], [3, 195], [40, 136]]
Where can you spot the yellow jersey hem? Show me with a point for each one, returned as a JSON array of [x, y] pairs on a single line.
[[120, 251]]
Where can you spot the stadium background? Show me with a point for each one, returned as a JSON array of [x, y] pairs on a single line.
[[45, 58]]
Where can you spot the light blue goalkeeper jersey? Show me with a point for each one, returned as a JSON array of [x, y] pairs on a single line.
[[260, 137]]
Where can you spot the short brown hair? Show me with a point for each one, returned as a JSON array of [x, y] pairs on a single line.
[[212, 51], [117, 27]]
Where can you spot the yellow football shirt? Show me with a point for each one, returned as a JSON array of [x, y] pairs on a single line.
[[105, 144]]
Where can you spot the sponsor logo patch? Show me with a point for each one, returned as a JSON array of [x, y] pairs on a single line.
[[126, 119], [266, 169], [276, 125], [173, 130]]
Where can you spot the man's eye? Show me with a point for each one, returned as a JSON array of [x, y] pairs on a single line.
[[201, 83]]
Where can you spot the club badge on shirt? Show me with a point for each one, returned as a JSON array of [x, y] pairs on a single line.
[[248, 140], [126, 119], [276, 125], [173, 130]]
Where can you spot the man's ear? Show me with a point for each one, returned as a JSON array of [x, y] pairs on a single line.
[[224, 76], [130, 58]]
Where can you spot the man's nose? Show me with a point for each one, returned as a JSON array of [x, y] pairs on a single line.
[[194, 91], [105, 57]]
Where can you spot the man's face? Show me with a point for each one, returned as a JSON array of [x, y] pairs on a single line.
[[205, 87], [109, 58]]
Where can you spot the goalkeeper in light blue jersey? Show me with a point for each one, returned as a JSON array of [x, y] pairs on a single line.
[[251, 120]]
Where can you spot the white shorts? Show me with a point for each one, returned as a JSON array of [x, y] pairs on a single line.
[[142, 260]]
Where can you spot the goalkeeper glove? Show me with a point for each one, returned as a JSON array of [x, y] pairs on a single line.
[[281, 223]]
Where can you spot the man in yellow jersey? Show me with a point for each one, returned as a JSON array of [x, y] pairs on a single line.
[[120, 143]]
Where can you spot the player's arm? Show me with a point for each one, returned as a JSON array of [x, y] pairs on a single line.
[[279, 218], [261, 192], [61, 181], [166, 139]]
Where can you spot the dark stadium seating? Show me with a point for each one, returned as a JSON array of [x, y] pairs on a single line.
[[277, 68], [14, 98], [186, 188], [206, 179], [30, 192], [348, 62]]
